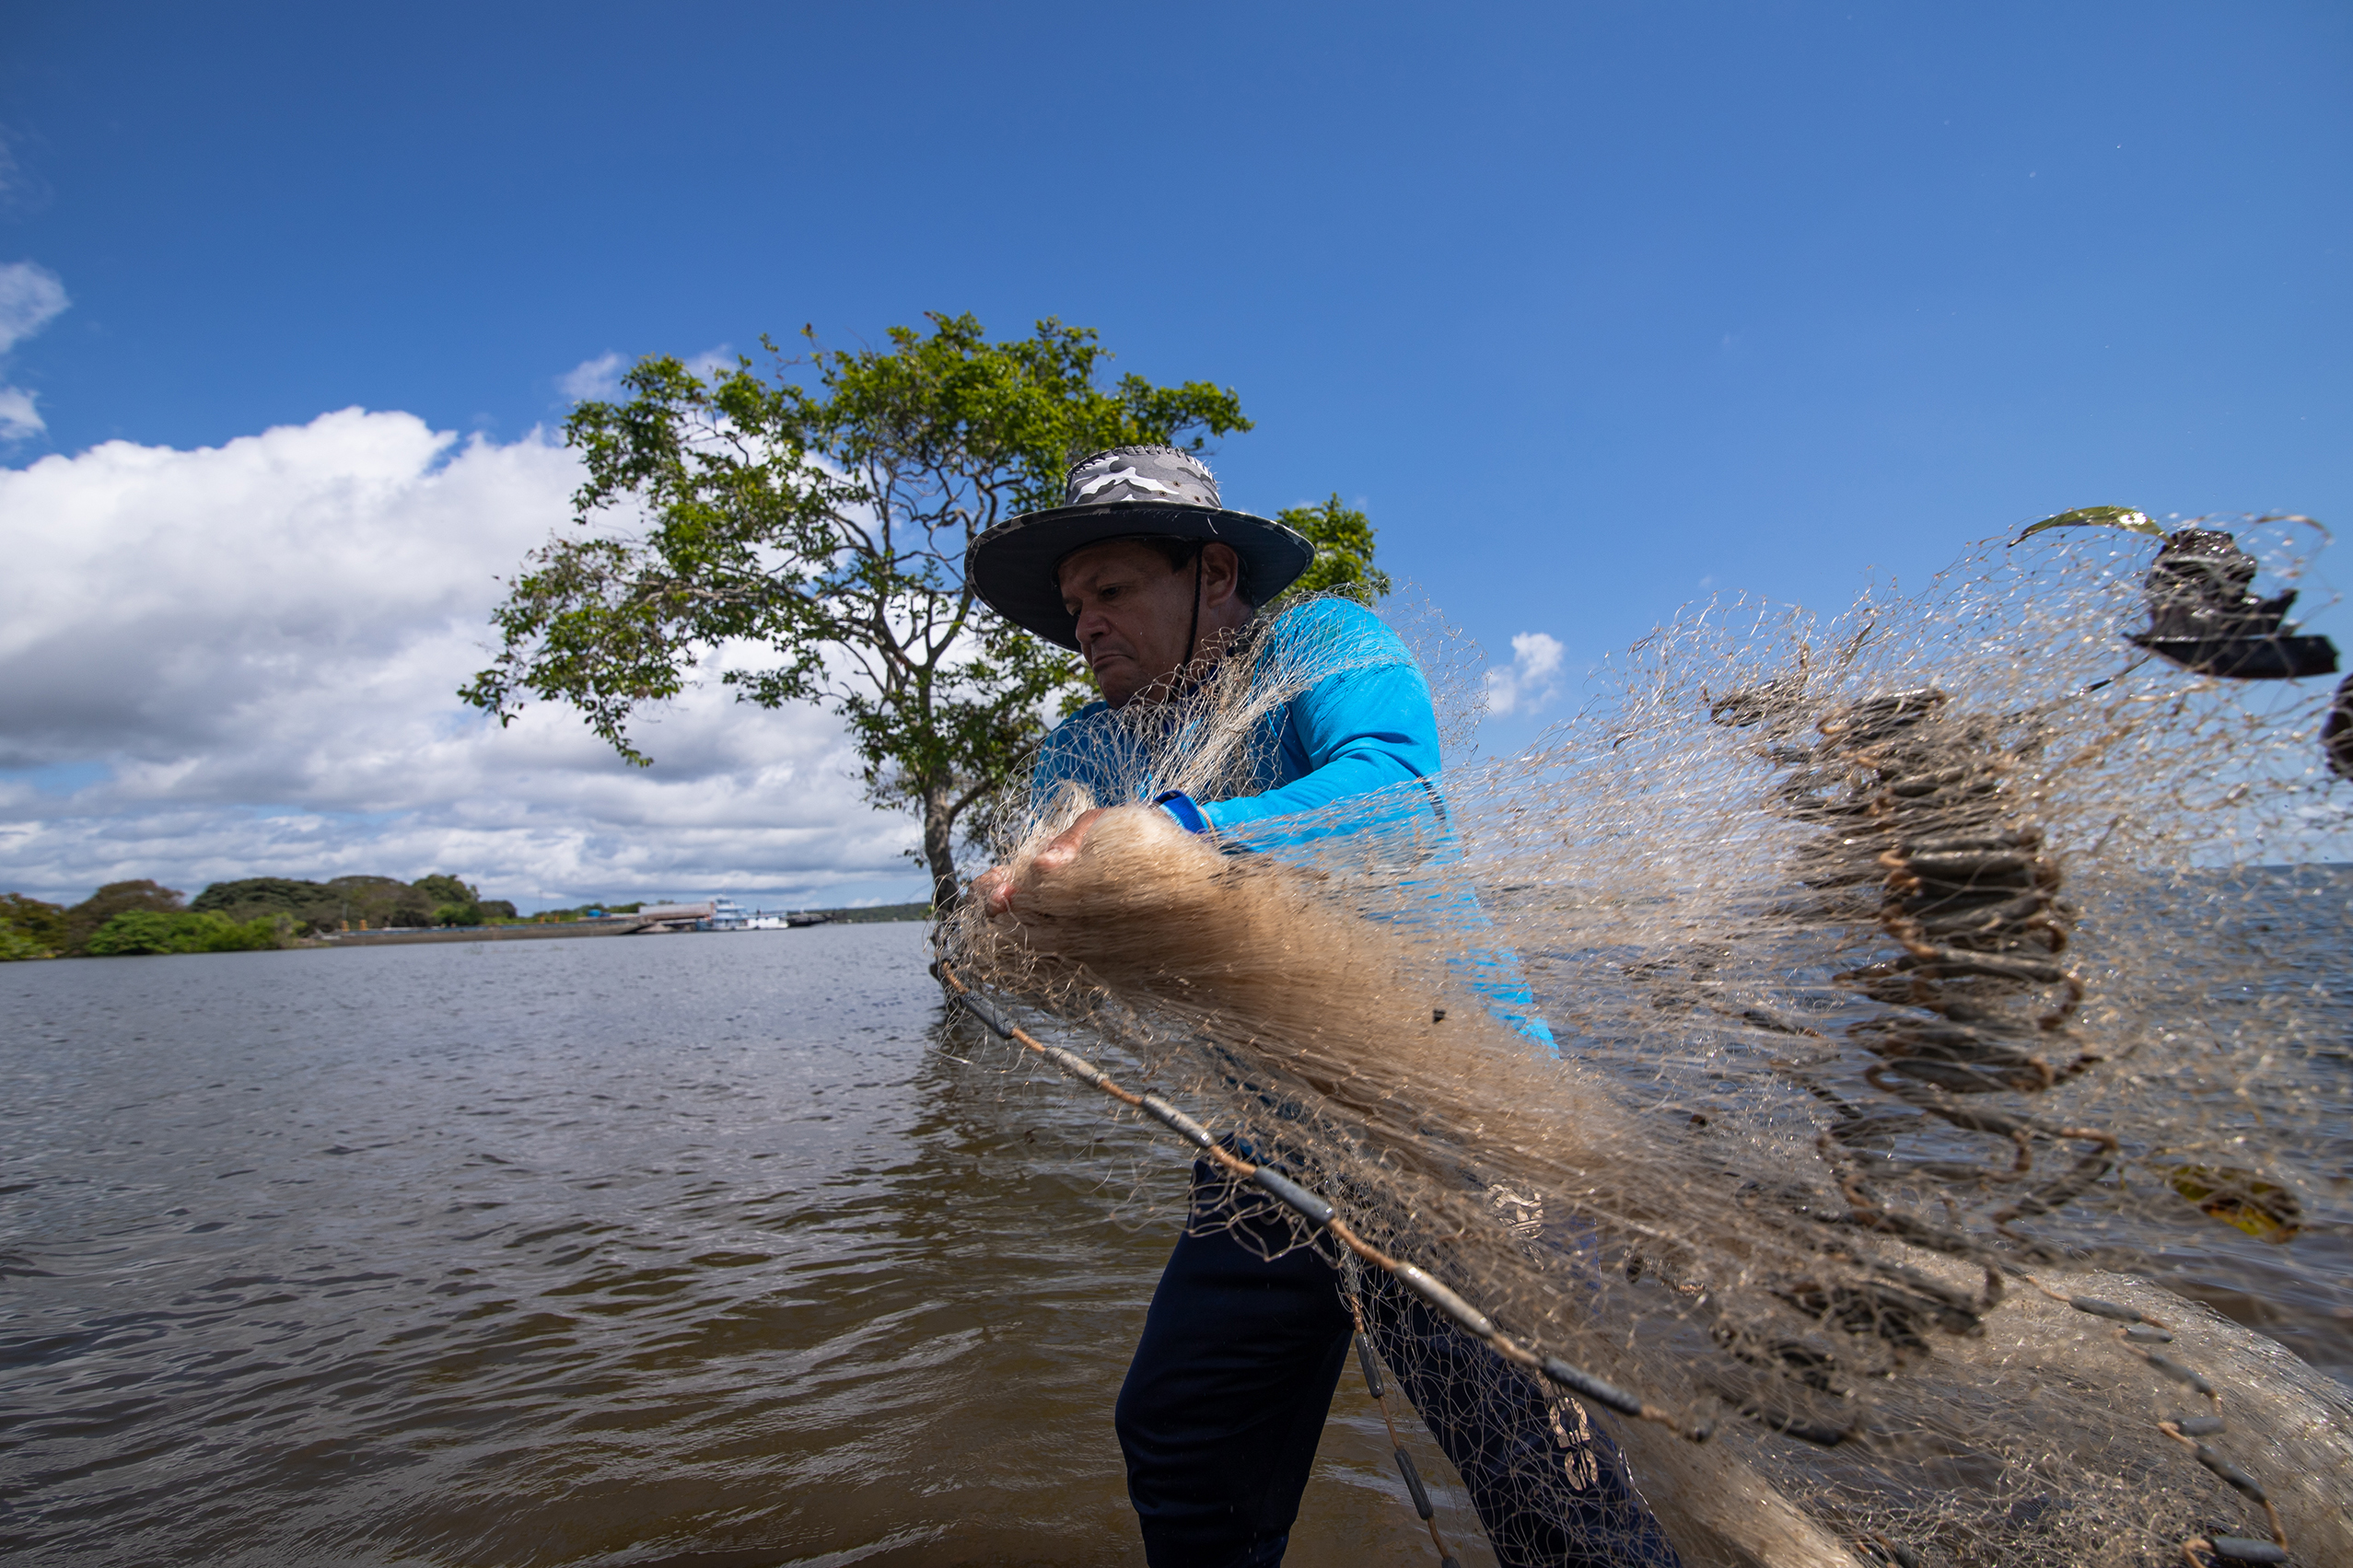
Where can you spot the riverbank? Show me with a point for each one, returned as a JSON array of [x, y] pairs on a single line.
[[607, 926]]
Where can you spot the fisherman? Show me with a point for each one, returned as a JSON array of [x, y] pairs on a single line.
[[1146, 575]]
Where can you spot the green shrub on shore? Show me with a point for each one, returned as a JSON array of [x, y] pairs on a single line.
[[186, 931], [83, 920], [30, 928]]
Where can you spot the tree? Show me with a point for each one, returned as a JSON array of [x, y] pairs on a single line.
[[30, 928], [286, 893], [310, 905], [323, 906], [1343, 539], [379, 900], [827, 523], [84, 919], [455, 902]]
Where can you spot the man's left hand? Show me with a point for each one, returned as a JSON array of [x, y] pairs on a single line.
[[997, 886]]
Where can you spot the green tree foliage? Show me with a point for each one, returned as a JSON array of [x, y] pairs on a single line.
[[456, 902], [159, 931], [250, 896], [1343, 538], [84, 919], [30, 928], [822, 514], [448, 890], [376, 889], [226, 917], [324, 906]]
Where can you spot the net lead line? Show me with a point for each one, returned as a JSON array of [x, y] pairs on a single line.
[[1324, 1216], [1370, 1363], [2141, 1329]]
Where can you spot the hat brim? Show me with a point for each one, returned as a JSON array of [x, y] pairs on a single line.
[[1012, 565]]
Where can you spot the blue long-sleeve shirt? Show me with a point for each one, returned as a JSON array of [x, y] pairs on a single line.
[[1364, 729]]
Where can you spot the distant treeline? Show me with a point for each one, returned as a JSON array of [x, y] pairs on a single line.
[[255, 912]]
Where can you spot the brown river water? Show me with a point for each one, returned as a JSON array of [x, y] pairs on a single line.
[[719, 1251]]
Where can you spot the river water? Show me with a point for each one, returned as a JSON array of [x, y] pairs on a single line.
[[712, 1252], [720, 1252]]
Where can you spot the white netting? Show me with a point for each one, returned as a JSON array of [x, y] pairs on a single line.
[[1912, 970]]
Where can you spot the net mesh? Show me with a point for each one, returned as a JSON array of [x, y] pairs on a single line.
[[1914, 971]]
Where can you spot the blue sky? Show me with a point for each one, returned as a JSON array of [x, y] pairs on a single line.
[[1596, 308]]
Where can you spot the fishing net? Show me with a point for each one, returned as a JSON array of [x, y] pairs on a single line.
[[1921, 981]]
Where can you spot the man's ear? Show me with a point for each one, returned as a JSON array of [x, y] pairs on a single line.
[[1220, 573]]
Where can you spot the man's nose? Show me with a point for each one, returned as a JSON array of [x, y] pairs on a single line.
[[1092, 623]]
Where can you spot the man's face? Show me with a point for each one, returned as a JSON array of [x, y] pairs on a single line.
[[1133, 612]]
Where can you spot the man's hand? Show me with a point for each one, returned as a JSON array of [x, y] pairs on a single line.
[[996, 886]]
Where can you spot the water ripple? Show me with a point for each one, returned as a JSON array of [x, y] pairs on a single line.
[[695, 1252]]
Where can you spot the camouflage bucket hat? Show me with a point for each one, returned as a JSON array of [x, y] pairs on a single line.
[[1126, 492]]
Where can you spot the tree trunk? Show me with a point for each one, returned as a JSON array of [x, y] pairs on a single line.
[[939, 853]]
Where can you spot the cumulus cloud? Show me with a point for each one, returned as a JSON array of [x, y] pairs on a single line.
[[601, 377], [30, 297], [18, 417], [598, 377], [241, 661], [1530, 679]]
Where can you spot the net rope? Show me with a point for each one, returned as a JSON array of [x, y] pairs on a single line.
[[1915, 983]]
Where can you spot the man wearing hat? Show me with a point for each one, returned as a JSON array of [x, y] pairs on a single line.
[[1148, 576]]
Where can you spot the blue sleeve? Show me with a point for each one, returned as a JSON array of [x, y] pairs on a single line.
[[1069, 756], [1362, 729]]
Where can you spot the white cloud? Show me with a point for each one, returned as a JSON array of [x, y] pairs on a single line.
[[18, 417], [601, 377], [1532, 679], [30, 297], [719, 361], [261, 644], [598, 377]]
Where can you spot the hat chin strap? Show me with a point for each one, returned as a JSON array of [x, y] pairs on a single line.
[[1192, 627]]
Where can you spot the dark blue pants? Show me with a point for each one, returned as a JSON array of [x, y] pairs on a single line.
[[1223, 1405]]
